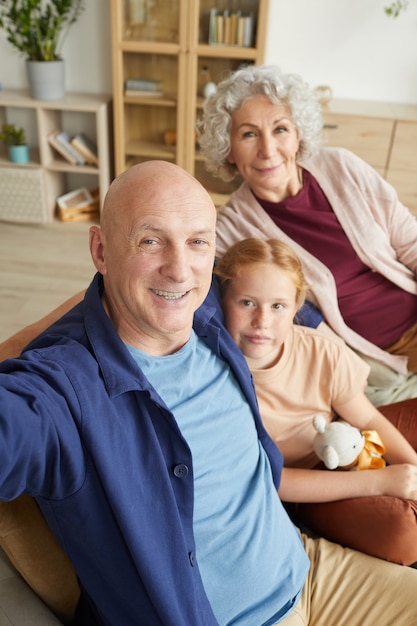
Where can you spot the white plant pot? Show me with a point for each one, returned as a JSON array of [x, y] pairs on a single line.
[[46, 79]]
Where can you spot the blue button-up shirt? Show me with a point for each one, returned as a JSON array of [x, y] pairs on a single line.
[[83, 431]]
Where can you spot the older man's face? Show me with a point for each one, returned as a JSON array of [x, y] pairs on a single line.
[[157, 266]]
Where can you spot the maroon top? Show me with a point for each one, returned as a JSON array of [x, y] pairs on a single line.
[[369, 303]]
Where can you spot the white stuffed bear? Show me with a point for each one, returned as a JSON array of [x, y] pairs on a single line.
[[340, 444]]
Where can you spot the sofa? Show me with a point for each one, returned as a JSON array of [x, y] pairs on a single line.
[[38, 558]]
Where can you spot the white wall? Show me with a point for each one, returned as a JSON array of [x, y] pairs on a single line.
[[350, 45]]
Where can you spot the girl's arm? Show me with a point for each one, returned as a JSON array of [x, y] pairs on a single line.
[[361, 413], [310, 485], [398, 479]]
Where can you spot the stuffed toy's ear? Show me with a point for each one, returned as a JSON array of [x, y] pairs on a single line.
[[330, 457], [337, 444]]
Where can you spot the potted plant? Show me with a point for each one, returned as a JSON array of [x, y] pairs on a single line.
[[395, 8], [37, 29], [14, 139]]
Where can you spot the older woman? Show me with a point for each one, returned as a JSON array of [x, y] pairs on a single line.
[[356, 241]]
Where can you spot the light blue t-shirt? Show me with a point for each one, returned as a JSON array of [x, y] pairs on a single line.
[[249, 554]]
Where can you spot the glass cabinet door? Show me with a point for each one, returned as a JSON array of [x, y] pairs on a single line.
[[151, 20]]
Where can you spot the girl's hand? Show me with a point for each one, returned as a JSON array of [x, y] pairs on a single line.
[[397, 480]]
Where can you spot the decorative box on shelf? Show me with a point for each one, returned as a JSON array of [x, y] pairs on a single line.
[[22, 195]]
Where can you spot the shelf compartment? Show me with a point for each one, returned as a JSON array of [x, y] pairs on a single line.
[[148, 122], [160, 67], [150, 150], [247, 8], [212, 184], [158, 101], [231, 52], [156, 21], [218, 68]]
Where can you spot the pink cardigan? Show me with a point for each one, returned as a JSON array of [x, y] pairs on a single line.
[[381, 230]]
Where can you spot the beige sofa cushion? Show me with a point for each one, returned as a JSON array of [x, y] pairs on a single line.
[[37, 556]]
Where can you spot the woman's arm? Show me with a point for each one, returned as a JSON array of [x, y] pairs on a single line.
[[14, 345]]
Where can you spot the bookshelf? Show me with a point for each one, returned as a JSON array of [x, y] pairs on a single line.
[[28, 192], [172, 43]]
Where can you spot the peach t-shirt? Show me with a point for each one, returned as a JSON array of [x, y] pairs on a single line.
[[315, 374]]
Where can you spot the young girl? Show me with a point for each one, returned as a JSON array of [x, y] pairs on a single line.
[[299, 372]]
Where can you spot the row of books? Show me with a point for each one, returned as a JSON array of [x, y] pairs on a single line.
[[231, 28], [77, 150], [143, 87]]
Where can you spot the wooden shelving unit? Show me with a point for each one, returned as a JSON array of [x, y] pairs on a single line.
[[168, 41], [28, 192]]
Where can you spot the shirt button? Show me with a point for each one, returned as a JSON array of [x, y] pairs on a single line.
[[191, 556], [180, 470]]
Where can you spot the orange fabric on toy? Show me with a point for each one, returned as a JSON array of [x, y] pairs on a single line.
[[371, 455]]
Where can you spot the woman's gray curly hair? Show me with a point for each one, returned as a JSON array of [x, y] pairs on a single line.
[[213, 127]]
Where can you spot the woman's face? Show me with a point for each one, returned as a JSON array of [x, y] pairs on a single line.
[[264, 143], [259, 307]]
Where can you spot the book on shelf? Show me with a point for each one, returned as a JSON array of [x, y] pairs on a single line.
[[143, 84], [61, 142], [143, 93], [86, 147], [231, 28]]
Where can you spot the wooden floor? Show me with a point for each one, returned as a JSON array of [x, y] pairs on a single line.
[[40, 267]]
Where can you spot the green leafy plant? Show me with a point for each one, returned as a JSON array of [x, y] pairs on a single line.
[[11, 135], [395, 8], [38, 28]]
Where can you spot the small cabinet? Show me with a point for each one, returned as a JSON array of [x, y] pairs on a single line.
[[369, 138], [383, 134], [403, 163], [28, 192], [170, 46]]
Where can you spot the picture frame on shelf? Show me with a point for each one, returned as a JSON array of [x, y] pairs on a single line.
[[77, 198], [78, 205]]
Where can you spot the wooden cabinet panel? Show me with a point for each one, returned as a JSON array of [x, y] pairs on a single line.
[[402, 171], [405, 182], [367, 137], [383, 134], [404, 148]]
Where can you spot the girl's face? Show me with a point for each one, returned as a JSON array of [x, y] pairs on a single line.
[[263, 146], [259, 307]]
